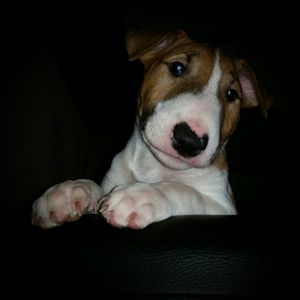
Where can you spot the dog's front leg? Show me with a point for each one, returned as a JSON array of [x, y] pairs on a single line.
[[140, 204], [66, 202]]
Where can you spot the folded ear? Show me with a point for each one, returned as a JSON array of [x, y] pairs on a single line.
[[253, 93], [143, 45]]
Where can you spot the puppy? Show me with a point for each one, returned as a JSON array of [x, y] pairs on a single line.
[[174, 163]]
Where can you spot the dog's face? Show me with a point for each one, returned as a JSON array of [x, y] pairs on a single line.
[[190, 99]]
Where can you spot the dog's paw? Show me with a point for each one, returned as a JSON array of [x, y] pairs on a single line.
[[135, 206], [61, 203]]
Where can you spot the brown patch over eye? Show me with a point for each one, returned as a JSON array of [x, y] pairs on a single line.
[[229, 95], [172, 75]]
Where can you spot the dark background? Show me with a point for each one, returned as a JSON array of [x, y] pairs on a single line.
[[68, 97]]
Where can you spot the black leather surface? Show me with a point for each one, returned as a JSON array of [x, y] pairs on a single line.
[[182, 256]]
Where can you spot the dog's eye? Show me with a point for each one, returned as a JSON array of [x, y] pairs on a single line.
[[231, 95], [177, 68]]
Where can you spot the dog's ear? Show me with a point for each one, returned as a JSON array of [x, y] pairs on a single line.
[[143, 45], [253, 93]]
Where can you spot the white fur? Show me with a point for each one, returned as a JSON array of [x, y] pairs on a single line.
[[148, 181]]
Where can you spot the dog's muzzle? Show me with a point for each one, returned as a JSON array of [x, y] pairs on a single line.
[[186, 142]]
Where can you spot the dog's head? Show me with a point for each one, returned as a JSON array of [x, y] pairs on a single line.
[[191, 96]]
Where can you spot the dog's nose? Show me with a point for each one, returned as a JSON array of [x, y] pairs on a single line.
[[186, 142]]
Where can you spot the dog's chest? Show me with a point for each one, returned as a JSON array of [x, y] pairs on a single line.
[[151, 171]]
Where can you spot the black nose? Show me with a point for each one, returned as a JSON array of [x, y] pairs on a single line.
[[186, 142]]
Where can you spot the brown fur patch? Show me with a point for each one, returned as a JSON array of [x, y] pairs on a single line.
[[230, 110], [220, 160], [160, 84]]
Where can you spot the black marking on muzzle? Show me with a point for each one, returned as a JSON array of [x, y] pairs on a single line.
[[186, 142]]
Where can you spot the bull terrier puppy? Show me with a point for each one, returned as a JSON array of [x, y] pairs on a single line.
[[174, 163]]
